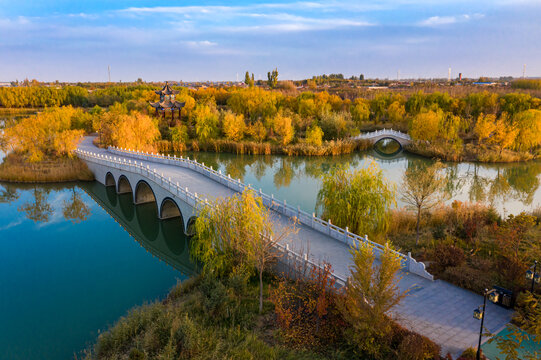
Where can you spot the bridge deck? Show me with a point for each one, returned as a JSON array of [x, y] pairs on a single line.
[[436, 309]]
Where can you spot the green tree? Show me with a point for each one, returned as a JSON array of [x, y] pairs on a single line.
[[370, 293], [272, 78], [359, 199], [249, 80], [420, 188]]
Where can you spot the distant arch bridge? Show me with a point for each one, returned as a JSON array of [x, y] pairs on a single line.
[[379, 135]]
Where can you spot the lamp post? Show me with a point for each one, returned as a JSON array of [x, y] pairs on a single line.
[[533, 275], [479, 314]]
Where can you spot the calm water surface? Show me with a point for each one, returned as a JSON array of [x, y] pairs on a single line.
[[510, 188], [69, 267]]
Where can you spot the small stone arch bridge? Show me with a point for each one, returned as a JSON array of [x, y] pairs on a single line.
[[378, 135]]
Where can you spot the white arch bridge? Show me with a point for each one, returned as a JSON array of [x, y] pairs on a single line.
[[375, 136], [180, 187]]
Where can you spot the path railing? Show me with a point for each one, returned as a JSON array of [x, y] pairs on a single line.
[[384, 132], [281, 207], [286, 256]]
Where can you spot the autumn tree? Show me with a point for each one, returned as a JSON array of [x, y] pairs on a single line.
[[396, 112], [283, 127], [528, 124], [314, 135], [179, 136], [235, 235], [360, 111], [485, 127], [233, 125], [258, 131], [48, 134], [371, 291], [206, 122], [421, 187], [426, 125], [358, 199]]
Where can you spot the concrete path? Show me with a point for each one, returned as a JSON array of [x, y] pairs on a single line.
[[436, 309]]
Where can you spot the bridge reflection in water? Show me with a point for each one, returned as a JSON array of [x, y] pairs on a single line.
[[387, 147], [164, 239]]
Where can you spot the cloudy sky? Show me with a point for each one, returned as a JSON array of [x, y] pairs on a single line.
[[70, 40]]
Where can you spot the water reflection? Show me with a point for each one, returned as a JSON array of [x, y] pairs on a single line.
[[38, 210], [510, 188], [162, 238], [388, 147]]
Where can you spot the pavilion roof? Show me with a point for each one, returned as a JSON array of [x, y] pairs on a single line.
[[168, 104], [166, 90]]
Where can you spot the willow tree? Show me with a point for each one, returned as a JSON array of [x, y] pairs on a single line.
[[359, 199], [235, 235], [421, 187]]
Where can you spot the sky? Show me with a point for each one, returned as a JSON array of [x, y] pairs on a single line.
[[70, 40]]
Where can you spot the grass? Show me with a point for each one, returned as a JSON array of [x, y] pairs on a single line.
[[469, 152], [15, 169], [200, 319]]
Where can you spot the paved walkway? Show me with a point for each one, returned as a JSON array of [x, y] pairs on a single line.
[[436, 309]]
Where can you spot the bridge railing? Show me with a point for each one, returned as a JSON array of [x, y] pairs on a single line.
[[384, 132], [287, 256], [281, 207]]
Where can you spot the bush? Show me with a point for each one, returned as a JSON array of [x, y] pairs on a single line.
[[416, 347], [445, 255], [467, 277]]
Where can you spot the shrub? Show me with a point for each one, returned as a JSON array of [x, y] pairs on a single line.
[[446, 255], [467, 277], [416, 347]]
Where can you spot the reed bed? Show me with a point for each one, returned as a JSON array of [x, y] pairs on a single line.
[[15, 169]]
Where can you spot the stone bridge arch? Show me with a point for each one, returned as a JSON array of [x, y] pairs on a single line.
[[144, 194], [190, 226], [169, 210], [110, 179], [124, 186]]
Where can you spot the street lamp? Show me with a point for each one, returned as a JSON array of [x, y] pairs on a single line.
[[479, 313], [533, 275]]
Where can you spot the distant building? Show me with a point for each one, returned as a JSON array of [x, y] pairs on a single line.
[[484, 83], [5, 84]]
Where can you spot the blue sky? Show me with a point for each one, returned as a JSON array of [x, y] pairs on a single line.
[[214, 40]]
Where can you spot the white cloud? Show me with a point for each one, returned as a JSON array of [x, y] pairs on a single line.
[[447, 20], [199, 44]]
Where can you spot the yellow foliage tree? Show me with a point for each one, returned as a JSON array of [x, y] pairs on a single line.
[[426, 125], [396, 112], [135, 131], [528, 124], [314, 135], [233, 126], [485, 126], [360, 111], [206, 122], [284, 128], [48, 134], [258, 131]]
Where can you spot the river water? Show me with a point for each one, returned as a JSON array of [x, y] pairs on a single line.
[[75, 257]]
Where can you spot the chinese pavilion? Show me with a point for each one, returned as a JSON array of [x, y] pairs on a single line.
[[167, 102]]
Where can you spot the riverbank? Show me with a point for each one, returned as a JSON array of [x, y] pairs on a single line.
[[15, 169], [204, 318], [468, 153]]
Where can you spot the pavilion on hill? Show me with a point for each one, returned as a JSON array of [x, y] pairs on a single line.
[[167, 102]]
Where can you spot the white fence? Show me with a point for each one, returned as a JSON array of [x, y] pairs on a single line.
[[384, 132], [281, 207]]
